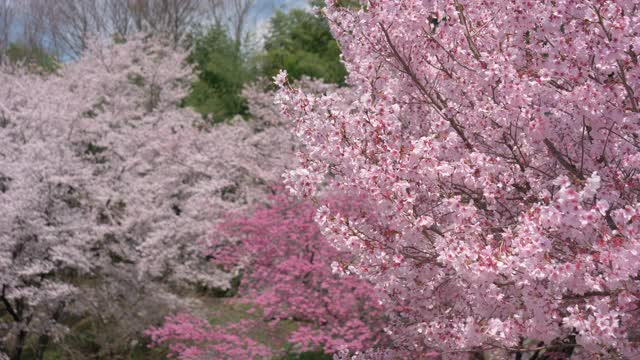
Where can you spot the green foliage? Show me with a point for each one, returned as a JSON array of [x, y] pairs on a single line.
[[222, 73], [82, 342], [235, 286], [136, 79], [93, 149], [119, 38], [34, 57], [302, 44], [299, 42]]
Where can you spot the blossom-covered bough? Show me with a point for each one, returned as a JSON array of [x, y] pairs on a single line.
[[498, 142]]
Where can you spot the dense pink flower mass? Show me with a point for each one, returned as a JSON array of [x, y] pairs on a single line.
[[499, 142], [288, 276], [190, 337]]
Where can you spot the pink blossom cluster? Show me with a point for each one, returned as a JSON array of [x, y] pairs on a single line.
[[498, 142], [287, 276], [190, 337]]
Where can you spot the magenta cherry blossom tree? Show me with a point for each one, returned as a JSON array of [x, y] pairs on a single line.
[[287, 276], [499, 142]]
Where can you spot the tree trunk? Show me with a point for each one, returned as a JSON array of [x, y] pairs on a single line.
[[43, 340], [20, 340]]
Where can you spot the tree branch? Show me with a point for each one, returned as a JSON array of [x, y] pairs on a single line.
[[8, 306], [562, 160], [433, 101], [630, 93], [467, 33]]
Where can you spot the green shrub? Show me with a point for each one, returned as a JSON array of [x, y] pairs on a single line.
[[34, 57]]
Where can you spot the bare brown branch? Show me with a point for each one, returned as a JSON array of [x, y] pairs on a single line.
[[562, 160]]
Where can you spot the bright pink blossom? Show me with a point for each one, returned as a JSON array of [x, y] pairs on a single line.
[[191, 338], [287, 276]]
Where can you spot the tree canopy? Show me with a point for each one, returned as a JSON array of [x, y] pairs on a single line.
[[298, 41], [301, 43], [222, 72]]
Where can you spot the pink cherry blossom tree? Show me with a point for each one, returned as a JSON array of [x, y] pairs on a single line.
[[499, 142], [287, 276], [104, 176]]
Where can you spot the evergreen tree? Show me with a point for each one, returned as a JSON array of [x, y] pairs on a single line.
[[301, 43], [222, 73]]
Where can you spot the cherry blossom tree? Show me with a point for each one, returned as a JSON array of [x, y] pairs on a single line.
[[105, 177], [287, 276], [41, 241], [499, 143]]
